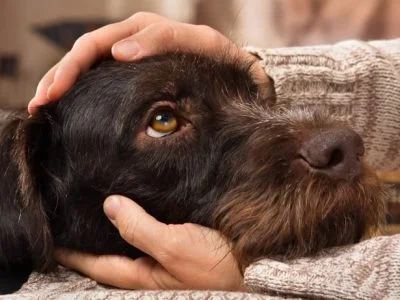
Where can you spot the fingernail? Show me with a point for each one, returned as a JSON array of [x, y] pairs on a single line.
[[111, 207], [127, 49], [31, 106]]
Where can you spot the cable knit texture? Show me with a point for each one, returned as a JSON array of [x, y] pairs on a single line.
[[69, 285], [368, 270], [357, 81]]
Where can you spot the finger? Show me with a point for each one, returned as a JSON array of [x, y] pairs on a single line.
[[92, 46], [159, 38], [119, 271], [40, 97], [137, 227]]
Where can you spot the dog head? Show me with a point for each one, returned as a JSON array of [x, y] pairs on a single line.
[[195, 139]]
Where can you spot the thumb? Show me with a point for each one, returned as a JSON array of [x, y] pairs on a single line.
[[135, 225]]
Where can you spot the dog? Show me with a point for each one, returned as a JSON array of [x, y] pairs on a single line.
[[192, 139]]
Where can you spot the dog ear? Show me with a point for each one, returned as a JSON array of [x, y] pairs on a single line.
[[32, 140], [25, 237]]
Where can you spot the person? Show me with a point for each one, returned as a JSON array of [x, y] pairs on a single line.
[[358, 81]]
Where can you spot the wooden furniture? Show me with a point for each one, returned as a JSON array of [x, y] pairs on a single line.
[[392, 179]]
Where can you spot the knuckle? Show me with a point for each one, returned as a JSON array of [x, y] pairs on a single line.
[[82, 40], [165, 31], [127, 229], [206, 28], [215, 37], [47, 78], [172, 249], [211, 33], [215, 40], [140, 16]]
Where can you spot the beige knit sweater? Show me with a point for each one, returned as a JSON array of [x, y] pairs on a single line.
[[357, 81], [369, 270]]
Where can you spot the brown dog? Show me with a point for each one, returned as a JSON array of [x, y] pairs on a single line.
[[193, 139]]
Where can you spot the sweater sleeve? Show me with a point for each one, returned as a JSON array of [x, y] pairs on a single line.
[[368, 270], [358, 82]]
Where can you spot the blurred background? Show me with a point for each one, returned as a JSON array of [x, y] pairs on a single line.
[[35, 34]]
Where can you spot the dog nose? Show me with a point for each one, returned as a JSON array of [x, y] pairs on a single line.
[[334, 152]]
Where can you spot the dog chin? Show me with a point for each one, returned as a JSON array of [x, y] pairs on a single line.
[[302, 217]]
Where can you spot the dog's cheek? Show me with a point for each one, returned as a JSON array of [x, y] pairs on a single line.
[[252, 224], [298, 219], [172, 183]]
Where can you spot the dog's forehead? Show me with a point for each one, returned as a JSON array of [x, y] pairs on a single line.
[[116, 93], [204, 80], [193, 74]]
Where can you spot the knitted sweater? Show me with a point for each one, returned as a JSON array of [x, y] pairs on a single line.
[[368, 270], [360, 82], [357, 81]]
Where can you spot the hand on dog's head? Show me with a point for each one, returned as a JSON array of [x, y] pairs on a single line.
[[191, 139]]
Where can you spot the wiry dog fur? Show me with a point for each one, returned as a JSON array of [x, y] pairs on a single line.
[[230, 166]]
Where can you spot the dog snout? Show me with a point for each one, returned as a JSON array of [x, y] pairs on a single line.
[[334, 152]]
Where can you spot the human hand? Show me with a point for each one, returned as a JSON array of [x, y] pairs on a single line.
[[141, 35], [186, 256]]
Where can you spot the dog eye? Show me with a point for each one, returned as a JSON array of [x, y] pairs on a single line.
[[162, 123]]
